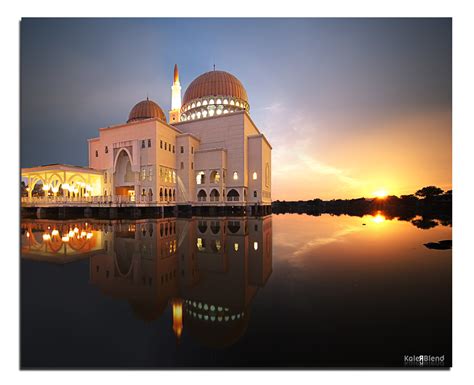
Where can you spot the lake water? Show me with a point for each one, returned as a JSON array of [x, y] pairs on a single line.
[[283, 290]]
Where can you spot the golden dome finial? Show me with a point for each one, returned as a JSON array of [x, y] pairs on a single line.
[[176, 74]]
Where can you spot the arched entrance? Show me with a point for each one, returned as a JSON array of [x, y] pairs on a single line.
[[233, 195], [124, 177], [214, 196], [202, 196]]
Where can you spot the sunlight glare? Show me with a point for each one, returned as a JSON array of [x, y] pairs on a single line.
[[382, 193], [379, 218]]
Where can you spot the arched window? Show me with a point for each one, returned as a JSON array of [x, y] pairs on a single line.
[[161, 194], [202, 226], [254, 175], [150, 194], [174, 194], [182, 166], [201, 177], [170, 194], [236, 176], [233, 195], [214, 196], [215, 177], [166, 194], [202, 196], [233, 226], [215, 227]]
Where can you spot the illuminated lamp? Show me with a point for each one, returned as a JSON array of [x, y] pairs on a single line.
[[46, 237], [55, 232], [65, 238]]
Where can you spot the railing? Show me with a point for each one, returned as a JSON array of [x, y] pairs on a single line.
[[95, 200], [232, 199]]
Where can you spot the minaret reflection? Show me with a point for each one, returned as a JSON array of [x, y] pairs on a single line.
[[208, 270]]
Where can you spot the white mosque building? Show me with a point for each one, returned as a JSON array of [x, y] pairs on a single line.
[[208, 153]]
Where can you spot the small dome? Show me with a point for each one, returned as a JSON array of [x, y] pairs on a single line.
[[215, 83], [146, 109]]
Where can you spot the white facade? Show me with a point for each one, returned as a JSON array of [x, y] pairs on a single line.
[[196, 160], [218, 160]]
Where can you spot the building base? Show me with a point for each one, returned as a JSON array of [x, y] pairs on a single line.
[[131, 212]]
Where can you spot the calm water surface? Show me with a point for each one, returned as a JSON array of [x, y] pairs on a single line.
[[283, 290]]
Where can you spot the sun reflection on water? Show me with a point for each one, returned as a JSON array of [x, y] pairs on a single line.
[[379, 218]]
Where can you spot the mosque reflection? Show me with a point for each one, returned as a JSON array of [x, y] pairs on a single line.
[[207, 270]]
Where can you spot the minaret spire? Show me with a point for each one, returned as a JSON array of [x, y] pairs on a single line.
[[176, 74], [175, 97]]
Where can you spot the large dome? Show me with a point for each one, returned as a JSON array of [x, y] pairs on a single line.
[[214, 92], [215, 83], [146, 109]]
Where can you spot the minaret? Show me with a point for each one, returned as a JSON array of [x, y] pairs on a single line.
[[175, 97]]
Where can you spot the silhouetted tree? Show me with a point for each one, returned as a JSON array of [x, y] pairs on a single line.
[[424, 223], [429, 192]]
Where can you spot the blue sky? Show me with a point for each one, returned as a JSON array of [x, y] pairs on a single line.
[[349, 105]]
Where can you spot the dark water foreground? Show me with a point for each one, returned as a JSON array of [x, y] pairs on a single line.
[[278, 291]]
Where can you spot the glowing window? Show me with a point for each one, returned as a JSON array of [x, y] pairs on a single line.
[[219, 101], [219, 112], [225, 111], [193, 105], [236, 246], [204, 113], [193, 115], [211, 101], [204, 103], [215, 177], [198, 104], [254, 176], [211, 113], [200, 177], [226, 101], [255, 246], [236, 176], [198, 114], [200, 244], [232, 103]]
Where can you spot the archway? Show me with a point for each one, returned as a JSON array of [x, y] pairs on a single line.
[[124, 177], [233, 195], [214, 196], [215, 177], [202, 196]]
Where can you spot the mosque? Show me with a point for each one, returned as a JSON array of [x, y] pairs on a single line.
[[208, 153]]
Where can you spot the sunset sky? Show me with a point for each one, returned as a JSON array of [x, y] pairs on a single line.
[[350, 106]]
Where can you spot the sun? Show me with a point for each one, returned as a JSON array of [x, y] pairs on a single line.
[[381, 194]]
